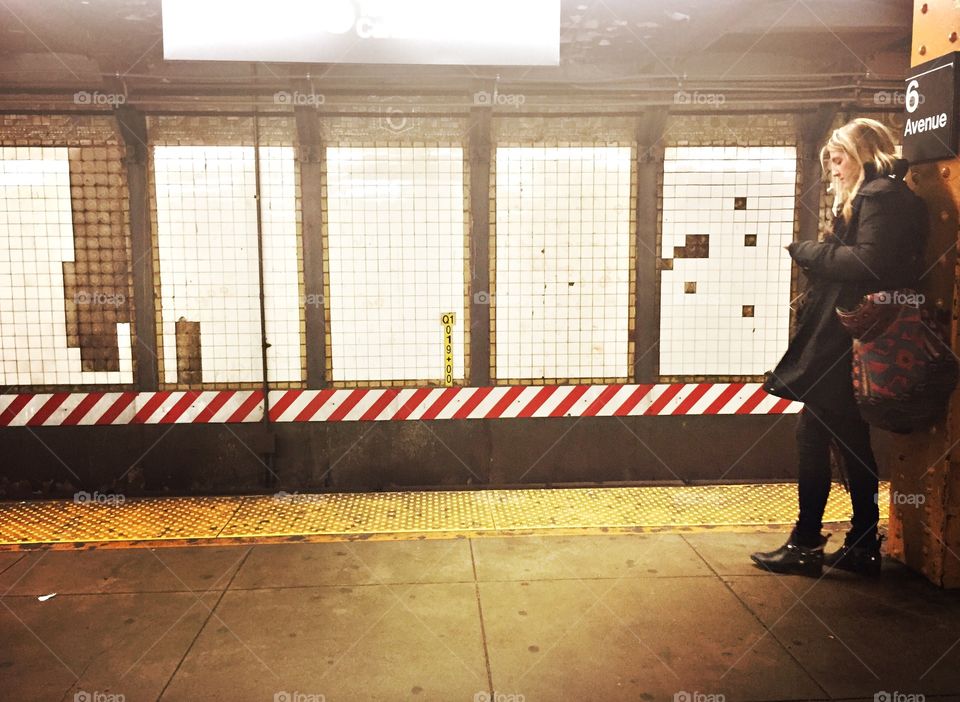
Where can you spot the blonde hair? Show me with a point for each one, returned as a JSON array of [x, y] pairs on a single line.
[[864, 141]]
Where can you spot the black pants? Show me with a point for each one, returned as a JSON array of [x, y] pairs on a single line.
[[815, 430]]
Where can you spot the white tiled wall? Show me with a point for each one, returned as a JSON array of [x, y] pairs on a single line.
[[705, 333], [36, 237], [207, 240], [562, 261], [396, 260], [281, 275]]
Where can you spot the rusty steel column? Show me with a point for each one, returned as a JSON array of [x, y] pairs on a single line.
[[925, 467], [480, 303], [646, 361], [310, 143], [133, 128]]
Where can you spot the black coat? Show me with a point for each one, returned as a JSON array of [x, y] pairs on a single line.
[[880, 248]]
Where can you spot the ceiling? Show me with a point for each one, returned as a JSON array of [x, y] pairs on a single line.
[[608, 47]]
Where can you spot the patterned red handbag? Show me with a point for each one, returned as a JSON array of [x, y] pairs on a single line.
[[903, 368]]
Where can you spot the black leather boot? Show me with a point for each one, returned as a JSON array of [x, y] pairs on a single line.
[[793, 558], [861, 557]]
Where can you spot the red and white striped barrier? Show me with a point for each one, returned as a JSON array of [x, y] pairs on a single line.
[[99, 408], [389, 404]]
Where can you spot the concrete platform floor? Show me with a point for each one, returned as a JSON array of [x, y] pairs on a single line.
[[666, 616]]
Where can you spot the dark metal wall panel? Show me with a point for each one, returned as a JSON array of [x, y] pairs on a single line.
[[133, 128], [646, 310], [311, 183], [480, 303], [226, 458]]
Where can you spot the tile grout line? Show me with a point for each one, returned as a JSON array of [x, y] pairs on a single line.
[[394, 536], [23, 554], [483, 629], [598, 579], [233, 515], [757, 618], [203, 626]]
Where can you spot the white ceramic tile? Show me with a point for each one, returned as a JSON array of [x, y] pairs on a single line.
[[396, 258], [209, 273], [705, 332], [36, 237], [562, 238]]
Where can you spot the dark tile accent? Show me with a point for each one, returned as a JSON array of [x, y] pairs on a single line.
[[748, 310], [97, 292], [749, 239], [739, 203], [690, 287], [697, 246]]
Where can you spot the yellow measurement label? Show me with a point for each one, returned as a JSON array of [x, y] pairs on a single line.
[[447, 320]]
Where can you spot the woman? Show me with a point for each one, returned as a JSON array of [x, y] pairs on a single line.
[[876, 244]]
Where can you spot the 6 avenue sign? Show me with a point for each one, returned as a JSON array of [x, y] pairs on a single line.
[[930, 127]]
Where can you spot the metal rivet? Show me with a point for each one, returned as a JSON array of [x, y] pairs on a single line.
[[923, 50], [944, 215], [952, 36], [923, 8], [945, 172]]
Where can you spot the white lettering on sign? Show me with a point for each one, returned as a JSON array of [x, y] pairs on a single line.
[[913, 96], [925, 124]]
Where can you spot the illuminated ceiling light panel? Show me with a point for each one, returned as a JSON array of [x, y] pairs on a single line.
[[468, 32]]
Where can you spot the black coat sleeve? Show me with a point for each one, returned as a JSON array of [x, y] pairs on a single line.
[[870, 259]]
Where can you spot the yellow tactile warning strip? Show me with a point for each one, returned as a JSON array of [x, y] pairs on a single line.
[[441, 514]]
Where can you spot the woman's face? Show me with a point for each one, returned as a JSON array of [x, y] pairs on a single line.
[[843, 168]]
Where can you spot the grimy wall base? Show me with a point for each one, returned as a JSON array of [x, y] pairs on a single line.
[[152, 459], [925, 475]]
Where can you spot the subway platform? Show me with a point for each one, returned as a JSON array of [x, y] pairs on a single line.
[[414, 596]]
